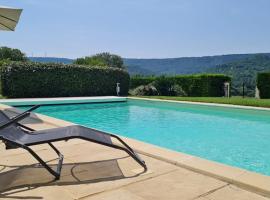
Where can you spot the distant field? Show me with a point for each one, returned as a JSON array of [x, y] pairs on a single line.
[[233, 100]]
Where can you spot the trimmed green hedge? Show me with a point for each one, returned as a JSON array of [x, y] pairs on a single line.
[[202, 85], [263, 84], [21, 80]]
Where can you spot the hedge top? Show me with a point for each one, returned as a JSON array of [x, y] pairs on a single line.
[[41, 66]]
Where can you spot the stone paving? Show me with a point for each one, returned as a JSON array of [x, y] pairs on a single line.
[[95, 172]]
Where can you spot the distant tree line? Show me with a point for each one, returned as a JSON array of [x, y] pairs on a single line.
[[102, 59], [8, 54]]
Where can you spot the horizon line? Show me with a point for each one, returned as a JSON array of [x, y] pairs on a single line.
[[152, 58]]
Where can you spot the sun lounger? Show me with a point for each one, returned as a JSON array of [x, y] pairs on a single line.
[[16, 135]]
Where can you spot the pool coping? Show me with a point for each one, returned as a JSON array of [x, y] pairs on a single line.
[[62, 100], [203, 103], [248, 180]]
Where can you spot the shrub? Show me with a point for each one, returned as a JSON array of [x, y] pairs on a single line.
[[263, 84], [177, 90], [137, 81], [144, 90], [164, 85], [20, 80], [4, 62]]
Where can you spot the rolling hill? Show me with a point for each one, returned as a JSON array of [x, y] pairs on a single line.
[[244, 72], [185, 65]]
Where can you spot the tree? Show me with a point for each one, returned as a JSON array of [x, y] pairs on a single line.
[[102, 59], [7, 53]]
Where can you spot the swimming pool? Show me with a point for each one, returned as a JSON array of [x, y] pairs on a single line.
[[233, 136]]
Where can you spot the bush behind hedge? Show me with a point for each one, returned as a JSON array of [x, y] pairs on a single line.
[[202, 85], [136, 81], [21, 80], [263, 84]]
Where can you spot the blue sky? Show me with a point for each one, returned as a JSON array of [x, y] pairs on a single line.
[[140, 28]]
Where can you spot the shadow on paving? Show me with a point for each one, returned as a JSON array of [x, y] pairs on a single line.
[[24, 178]]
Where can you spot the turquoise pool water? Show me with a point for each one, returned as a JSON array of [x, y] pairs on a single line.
[[236, 137]]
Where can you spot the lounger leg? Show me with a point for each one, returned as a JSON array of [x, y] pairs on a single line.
[[130, 151], [61, 157], [134, 156], [56, 173]]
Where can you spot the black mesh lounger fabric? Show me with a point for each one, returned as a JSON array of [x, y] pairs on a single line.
[[16, 134]]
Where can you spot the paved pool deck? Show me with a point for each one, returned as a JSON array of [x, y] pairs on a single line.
[[92, 171]]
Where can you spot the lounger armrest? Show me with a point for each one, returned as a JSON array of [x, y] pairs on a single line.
[[33, 108], [29, 110], [15, 120]]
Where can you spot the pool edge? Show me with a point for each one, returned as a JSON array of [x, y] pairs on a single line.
[[203, 103], [62, 100], [248, 180]]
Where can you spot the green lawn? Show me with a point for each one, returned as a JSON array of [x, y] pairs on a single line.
[[233, 100]]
